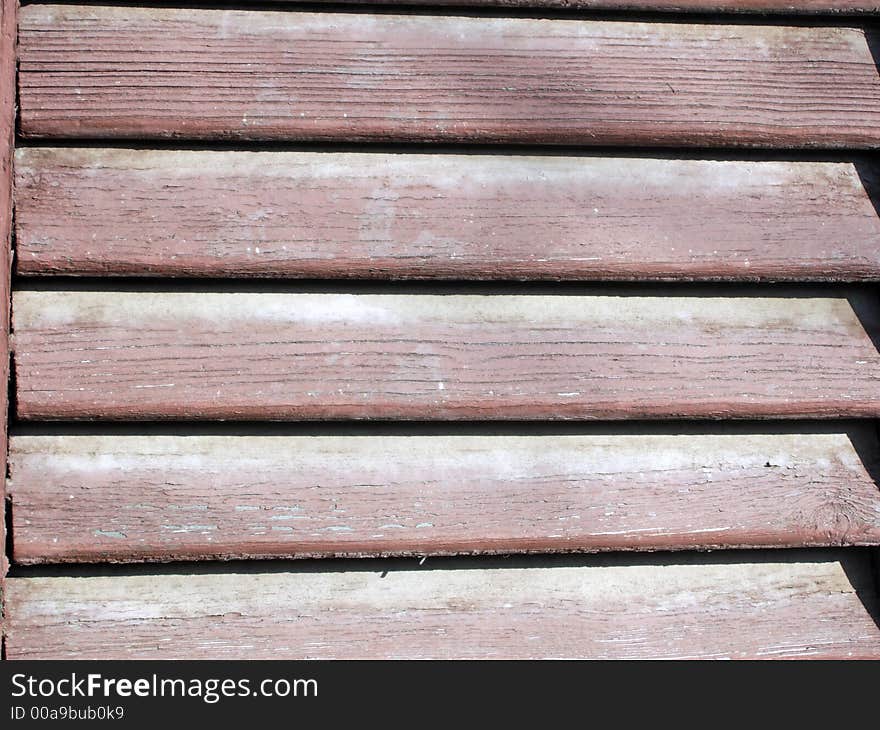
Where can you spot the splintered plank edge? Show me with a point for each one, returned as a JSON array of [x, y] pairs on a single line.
[[130, 498], [794, 605]]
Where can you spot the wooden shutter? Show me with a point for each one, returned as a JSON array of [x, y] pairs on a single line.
[[545, 337]]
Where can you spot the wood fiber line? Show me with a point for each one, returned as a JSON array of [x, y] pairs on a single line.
[[124, 498], [171, 355], [299, 214], [793, 605], [214, 74]]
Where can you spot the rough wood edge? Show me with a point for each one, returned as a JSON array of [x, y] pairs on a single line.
[[789, 604], [727, 7], [8, 28], [109, 498]]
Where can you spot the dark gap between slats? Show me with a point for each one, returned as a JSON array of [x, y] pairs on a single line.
[[867, 296], [512, 562], [869, 175], [863, 432], [875, 565], [868, 160]]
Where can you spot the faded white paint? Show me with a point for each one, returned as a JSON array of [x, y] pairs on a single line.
[[34, 310], [502, 458]]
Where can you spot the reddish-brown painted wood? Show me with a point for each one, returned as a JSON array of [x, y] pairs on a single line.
[[845, 7], [214, 74], [297, 214], [131, 498], [8, 13], [138, 355], [791, 605]]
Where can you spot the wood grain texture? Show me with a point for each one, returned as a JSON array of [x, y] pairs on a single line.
[[299, 214], [136, 355], [792, 7], [8, 20], [212, 74], [793, 605], [131, 498]]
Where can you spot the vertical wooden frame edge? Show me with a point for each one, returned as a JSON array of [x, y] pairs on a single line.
[[8, 37]]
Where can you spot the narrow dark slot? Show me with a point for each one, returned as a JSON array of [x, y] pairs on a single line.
[[10, 535], [861, 432], [453, 148], [857, 557], [862, 296]]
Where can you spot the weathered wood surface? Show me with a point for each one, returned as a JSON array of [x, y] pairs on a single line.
[[121, 498], [137, 355], [807, 7], [300, 214], [8, 13], [793, 604], [216, 74]]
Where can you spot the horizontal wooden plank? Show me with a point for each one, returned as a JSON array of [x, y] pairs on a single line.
[[136, 355], [216, 74], [298, 214], [124, 498], [807, 7], [699, 607]]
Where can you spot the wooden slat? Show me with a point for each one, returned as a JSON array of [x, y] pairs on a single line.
[[212, 74], [120, 498], [8, 22], [796, 605], [296, 214], [842, 7], [251, 355], [135, 355]]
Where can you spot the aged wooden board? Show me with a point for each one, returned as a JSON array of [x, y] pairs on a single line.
[[299, 214], [704, 6], [119, 498], [216, 74], [8, 13], [139, 355], [790, 605]]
